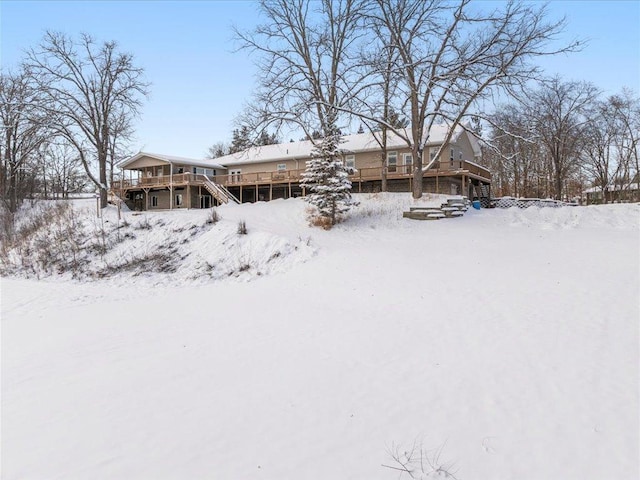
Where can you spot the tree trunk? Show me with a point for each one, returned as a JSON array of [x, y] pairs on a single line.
[[13, 188], [383, 175], [417, 173], [558, 185]]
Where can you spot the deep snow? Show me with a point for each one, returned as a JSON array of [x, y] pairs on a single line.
[[511, 338]]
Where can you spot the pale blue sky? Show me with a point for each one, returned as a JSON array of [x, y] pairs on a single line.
[[199, 84]]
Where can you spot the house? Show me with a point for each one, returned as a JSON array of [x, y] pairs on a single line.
[[274, 171], [629, 192], [159, 182]]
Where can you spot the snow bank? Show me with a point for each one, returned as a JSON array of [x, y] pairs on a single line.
[[510, 339]]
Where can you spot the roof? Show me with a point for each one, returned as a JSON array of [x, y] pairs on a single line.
[[614, 188], [359, 142], [206, 163]]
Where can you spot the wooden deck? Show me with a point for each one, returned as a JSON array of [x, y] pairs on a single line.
[[288, 177]]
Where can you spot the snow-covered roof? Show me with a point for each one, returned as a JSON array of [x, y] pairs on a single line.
[[359, 142], [206, 163], [614, 188]]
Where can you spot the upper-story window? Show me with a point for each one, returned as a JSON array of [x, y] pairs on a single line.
[[407, 160], [432, 157], [350, 161], [392, 161]]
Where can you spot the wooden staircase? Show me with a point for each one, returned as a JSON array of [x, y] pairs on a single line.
[[219, 192], [454, 208], [484, 194]]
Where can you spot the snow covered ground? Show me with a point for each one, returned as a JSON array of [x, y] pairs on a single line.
[[508, 344]]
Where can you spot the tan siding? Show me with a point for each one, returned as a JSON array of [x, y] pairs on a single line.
[[145, 162], [268, 166], [163, 199]]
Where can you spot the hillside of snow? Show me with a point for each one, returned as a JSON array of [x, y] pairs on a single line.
[[503, 344]]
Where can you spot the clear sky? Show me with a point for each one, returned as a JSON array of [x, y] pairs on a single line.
[[199, 83]]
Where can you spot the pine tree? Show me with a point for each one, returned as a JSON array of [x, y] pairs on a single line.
[[240, 140], [327, 179]]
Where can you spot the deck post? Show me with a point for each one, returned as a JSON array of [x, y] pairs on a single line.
[[256, 197], [270, 191], [170, 187], [462, 190], [289, 189], [188, 196], [240, 193]]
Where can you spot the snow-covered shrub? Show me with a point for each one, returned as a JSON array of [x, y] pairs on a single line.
[[213, 216], [242, 227]]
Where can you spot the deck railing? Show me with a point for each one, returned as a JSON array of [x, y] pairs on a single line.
[[295, 176]]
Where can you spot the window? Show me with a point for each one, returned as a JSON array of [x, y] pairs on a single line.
[[160, 171], [392, 161], [178, 200], [281, 167], [350, 161], [432, 156], [451, 156], [235, 175], [407, 159], [154, 200], [204, 171]]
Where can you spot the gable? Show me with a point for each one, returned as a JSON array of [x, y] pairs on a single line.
[[143, 161]]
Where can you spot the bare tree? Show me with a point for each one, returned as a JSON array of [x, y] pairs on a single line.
[[626, 108], [22, 135], [599, 155], [120, 132], [513, 153], [377, 108], [92, 92], [218, 149], [450, 56], [560, 110], [308, 70], [62, 169], [307, 61]]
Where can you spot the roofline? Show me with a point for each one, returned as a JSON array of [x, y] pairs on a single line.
[[164, 158], [373, 148]]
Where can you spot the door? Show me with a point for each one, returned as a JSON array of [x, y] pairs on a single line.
[[205, 201], [235, 176]]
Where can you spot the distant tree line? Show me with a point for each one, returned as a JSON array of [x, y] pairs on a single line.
[[563, 137], [240, 141]]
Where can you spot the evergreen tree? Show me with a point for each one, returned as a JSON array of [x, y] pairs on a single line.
[[240, 140], [327, 179], [266, 138]]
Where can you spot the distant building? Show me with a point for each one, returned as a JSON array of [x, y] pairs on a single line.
[[629, 192]]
